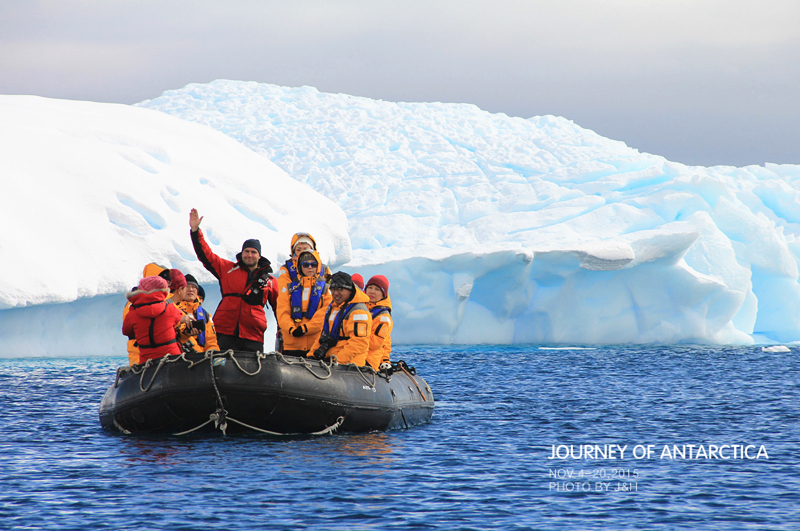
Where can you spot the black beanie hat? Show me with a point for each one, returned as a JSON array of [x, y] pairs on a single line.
[[253, 243], [340, 279], [190, 280]]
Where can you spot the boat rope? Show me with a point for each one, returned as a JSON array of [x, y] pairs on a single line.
[[211, 419], [374, 378], [207, 356], [259, 356], [307, 364], [329, 429], [220, 414], [161, 362], [403, 368], [215, 417], [322, 364], [153, 379]]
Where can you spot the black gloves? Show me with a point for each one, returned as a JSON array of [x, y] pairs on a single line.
[[299, 331]]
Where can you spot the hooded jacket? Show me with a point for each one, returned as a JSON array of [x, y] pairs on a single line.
[[380, 342], [150, 270], [285, 275], [244, 292], [302, 288], [353, 333], [151, 322]]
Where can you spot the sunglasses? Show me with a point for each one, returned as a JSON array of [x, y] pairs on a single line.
[[309, 264]]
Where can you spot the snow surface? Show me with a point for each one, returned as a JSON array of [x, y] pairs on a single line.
[[491, 229], [92, 192]]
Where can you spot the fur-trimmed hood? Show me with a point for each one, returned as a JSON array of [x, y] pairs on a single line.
[[147, 303]]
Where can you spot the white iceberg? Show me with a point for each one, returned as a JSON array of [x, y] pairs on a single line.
[[543, 231]]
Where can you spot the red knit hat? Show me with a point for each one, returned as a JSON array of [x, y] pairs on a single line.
[[381, 282], [152, 284], [358, 280], [177, 280]]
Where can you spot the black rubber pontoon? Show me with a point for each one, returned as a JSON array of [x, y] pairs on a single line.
[[268, 393]]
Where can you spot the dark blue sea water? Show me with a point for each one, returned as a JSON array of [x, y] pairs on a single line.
[[482, 463]]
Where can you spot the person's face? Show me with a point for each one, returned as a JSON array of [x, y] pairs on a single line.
[[179, 295], [300, 247], [308, 268], [340, 295], [374, 293], [250, 257], [191, 293]]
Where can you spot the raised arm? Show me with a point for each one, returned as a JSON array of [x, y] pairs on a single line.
[[194, 220], [207, 257]]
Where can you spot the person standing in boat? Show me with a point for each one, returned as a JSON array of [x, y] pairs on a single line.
[[288, 273], [380, 306], [200, 339], [151, 321], [347, 324], [302, 304], [246, 286]]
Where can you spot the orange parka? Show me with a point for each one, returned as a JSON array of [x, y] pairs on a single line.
[[354, 332], [284, 277], [380, 342], [312, 325], [210, 336]]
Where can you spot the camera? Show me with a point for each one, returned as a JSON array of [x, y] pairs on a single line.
[[326, 341]]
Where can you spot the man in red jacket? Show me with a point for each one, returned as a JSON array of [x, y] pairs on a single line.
[[246, 286]]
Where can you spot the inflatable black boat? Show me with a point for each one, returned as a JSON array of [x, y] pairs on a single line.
[[267, 393]]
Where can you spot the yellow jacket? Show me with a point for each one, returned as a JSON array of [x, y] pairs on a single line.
[[353, 334], [380, 342], [312, 326], [283, 274], [190, 308]]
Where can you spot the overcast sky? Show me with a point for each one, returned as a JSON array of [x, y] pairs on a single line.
[[697, 81]]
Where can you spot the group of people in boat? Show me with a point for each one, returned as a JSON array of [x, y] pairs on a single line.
[[320, 314]]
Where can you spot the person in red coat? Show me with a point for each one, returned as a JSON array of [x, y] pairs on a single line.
[[247, 287], [151, 321]]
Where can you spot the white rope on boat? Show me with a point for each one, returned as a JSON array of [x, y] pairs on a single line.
[[259, 356], [153, 379], [198, 427], [374, 378], [329, 429]]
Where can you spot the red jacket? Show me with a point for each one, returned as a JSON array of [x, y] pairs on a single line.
[[244, 292], [151, 321]]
